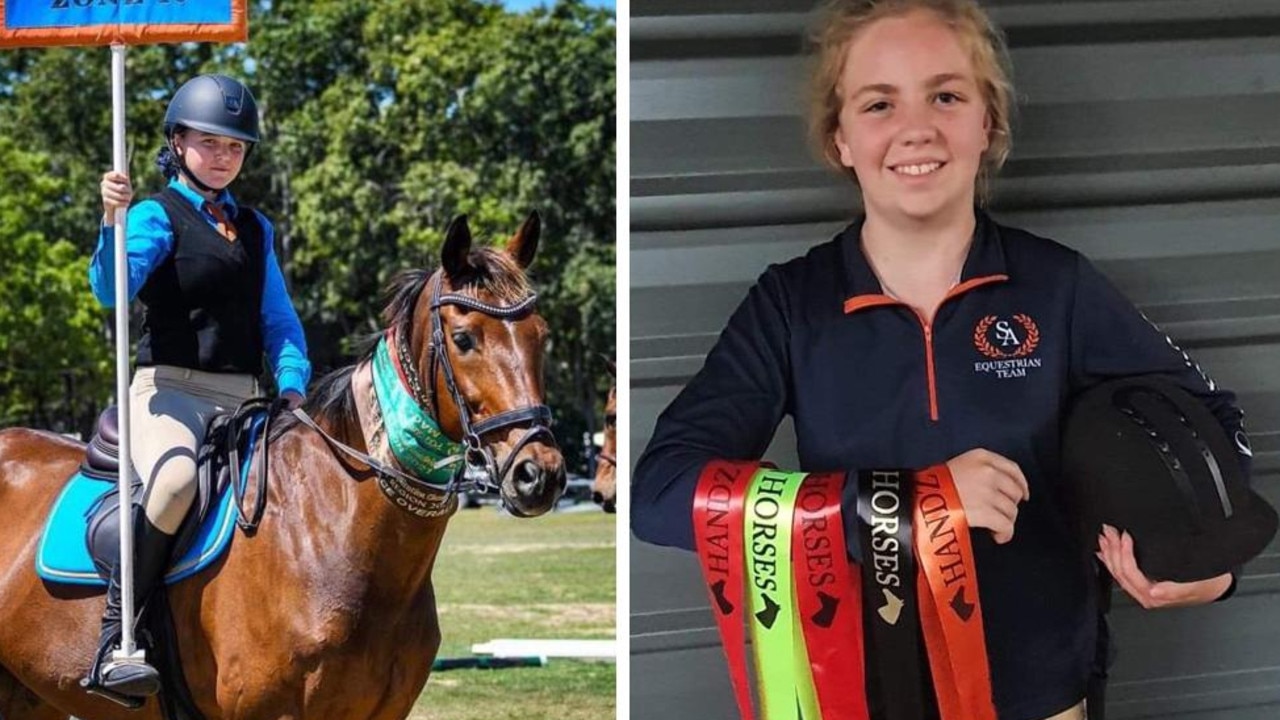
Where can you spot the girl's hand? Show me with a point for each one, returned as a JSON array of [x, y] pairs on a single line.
[[990, 487], [1116, 552], [293, 399], [117, 193]]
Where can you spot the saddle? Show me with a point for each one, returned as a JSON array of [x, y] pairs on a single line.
[[81, 543], [81, 538], [102, 462]]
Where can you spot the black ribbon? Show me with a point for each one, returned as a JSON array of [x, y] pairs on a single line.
[[897, 682]]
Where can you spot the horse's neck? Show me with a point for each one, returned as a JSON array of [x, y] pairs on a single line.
[[385, 553]]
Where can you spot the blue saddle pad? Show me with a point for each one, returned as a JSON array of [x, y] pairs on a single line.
[[64, 558]]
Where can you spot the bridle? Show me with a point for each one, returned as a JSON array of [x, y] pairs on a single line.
[[479, 469]]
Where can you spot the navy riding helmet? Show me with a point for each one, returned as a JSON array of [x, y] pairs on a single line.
[[1143, 455], [214, 104]]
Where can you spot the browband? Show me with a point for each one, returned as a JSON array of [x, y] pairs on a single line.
[[498, 311]]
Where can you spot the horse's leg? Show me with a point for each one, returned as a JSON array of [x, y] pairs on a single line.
[[19, 703]]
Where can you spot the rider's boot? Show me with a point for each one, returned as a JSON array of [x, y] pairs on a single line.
[[131, 677]]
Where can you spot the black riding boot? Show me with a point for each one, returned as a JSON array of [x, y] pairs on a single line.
[[151, 557]]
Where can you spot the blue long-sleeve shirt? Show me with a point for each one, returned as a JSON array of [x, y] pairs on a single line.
[[149, 242], [871, 386]]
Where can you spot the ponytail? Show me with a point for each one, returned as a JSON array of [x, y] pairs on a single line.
[[168, 162]]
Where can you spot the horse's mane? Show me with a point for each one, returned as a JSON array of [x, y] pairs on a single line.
[[490, 271]]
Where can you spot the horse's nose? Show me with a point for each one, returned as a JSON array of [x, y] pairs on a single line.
[[530, 478], [597, 497]]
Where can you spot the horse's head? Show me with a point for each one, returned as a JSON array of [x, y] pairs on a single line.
[[479, 344], [605, 488]]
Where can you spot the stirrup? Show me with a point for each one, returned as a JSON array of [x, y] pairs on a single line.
[[138, 678], [128, 701], [107, 660]]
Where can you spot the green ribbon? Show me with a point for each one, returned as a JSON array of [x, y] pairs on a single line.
[[781, 659], [416, 440]]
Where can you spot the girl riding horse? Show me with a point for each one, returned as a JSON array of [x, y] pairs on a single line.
[[328, 611], [215, 303]]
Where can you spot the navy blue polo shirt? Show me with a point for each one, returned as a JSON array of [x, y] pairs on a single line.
[[871, 385]]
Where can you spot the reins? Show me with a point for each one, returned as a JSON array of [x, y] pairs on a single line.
[[242, 420], [379, 468]]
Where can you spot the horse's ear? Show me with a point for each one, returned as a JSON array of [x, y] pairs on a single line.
[[457, 248], [524, 244], [610, 365]]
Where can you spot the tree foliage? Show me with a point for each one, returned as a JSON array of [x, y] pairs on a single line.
[[382, 121]]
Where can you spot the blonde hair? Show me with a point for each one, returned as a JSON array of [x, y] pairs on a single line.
[[841, 20]]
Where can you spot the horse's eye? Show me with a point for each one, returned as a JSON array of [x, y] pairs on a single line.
[[610, 420], [463, 342]]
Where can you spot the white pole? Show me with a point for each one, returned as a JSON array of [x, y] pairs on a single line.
[[118, 161]]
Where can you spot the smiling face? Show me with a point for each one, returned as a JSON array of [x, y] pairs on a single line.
[[214, 159], [913, 125]]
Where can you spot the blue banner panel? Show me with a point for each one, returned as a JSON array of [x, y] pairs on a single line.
[[20, 14], [101, 22]]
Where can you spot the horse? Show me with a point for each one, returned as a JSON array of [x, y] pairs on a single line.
[[604, 489], [328, 610]]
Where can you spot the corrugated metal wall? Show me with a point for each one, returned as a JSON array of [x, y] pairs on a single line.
[[1148, 138]]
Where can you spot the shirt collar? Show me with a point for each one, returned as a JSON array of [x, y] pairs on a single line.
[[984, 263], [223, 198]]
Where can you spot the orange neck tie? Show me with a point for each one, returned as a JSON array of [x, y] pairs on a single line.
[[225, 228]]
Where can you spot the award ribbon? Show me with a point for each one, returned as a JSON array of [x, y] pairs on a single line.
[[793, 547], [770, 507], [950, 607], [416, 440], [717, 522], [830, 599], [889, 587]]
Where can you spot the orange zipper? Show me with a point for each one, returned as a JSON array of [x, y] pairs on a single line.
[[929, 370], [862, 302]]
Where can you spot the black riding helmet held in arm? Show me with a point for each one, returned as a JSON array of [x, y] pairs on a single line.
[[1143, 455], [214, 104]]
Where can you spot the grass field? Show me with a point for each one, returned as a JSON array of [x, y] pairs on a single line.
[[500, 577]]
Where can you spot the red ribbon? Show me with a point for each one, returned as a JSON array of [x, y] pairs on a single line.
[[830, 596], [718, 508]]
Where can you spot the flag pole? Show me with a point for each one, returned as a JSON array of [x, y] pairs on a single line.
[[119, 162]]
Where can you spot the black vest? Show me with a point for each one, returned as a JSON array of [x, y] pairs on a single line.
[[204, 300]]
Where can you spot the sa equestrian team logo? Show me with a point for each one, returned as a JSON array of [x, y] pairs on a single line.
[[1009, 343]]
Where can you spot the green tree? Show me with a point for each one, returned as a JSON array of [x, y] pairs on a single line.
[[49, 329]]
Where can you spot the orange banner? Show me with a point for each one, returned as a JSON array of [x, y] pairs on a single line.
[[45, 23]]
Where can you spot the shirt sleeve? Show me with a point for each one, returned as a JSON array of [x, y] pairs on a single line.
[[148, 241], [1111, 338], [729, 410], [282, 334]]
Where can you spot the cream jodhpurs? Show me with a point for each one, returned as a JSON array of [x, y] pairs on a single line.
[[1072, 713], [170, 407]]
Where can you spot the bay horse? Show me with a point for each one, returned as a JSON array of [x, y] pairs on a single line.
[[328, 610], [604, 489]]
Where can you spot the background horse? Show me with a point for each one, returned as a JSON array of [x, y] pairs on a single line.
[[328, 610], [604, 490]]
